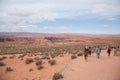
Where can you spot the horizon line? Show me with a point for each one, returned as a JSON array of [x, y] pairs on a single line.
[[65, 33]]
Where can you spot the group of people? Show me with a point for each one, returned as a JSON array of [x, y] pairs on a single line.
[[87, 51]]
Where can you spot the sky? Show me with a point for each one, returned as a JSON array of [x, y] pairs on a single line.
[[60, 16]]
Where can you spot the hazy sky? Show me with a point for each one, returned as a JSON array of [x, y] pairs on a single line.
[[60, 16]]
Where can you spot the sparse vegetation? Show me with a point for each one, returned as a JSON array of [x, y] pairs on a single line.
[[2, 58], [11, 57], [11, 47], [52, 55], [52, 62], [57, 76], [38, 62], [8, 69], [80, 54], [40, 67], [29, 60], [2, 64], [30, 70], [73, 56]]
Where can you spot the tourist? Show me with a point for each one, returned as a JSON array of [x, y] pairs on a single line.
[[98, 50], [109, 51], [90, 51], [86, 52]]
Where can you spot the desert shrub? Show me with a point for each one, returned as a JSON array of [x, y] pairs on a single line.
[[30, 70], [2, 58], [52, 55], [2, 64], [80, 54], [40, 66], [11, 57], [57, 76], [8, 69], [29, 60], [52, 62], [21, 56], [73, 56], [38, 62]]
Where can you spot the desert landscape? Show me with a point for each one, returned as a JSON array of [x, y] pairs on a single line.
[[59, 39], [35, 56]]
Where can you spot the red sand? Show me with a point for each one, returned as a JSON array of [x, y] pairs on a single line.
[[21, 70], [105, 68]]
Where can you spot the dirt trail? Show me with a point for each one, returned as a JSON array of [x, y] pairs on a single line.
[[105, 68]]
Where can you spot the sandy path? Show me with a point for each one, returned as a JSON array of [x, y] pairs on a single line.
[[105, 68]]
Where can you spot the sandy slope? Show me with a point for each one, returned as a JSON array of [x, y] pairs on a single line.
[[21, 70], [105, 68]]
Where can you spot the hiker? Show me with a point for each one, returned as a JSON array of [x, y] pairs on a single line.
[[109, 51], [90, 51], [98, 50], [86, 52]]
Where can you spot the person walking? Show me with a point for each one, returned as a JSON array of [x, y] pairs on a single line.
[[98, 50], [86, 52], [90, 51], [109, 51]]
